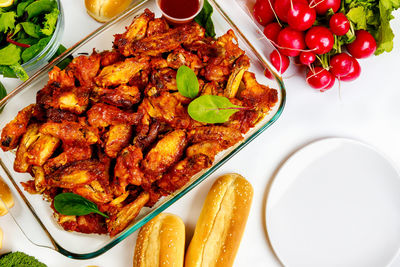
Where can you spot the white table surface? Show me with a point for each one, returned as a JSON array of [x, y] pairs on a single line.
[[367, 109]]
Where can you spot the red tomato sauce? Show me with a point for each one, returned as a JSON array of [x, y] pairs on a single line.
[[179, 9]]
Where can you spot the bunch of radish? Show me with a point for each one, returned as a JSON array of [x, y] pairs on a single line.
[[309, 32]]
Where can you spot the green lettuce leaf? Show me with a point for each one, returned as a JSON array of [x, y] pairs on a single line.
[[30, 52], [39, 7], [9, 55], [385, 34], [22, 6], [7, 21], [50, 21], [31, 29]]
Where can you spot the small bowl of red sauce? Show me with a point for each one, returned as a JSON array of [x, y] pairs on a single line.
[[180, 11]]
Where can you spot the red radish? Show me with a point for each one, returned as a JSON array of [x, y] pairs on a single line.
[[268, 74], [339, 24], [341, 64], [363, 46], [329, 86], [291, 42], [300, 16], [354, 72], [282, 7], [263, 11], [307, 58], [322, 6], [319, 78], [272, 30], [279, 61], [319, 39]]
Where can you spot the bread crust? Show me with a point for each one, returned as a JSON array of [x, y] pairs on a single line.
[[6, 197], [105, 10], [161, 242], [221, 224]]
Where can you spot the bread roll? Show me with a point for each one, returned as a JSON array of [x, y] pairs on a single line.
[[104, 10], [6, 197], [161, 242], [220, 226]]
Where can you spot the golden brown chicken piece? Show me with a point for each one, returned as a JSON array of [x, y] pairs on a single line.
[[70, 154], [21, 160], [90, 223], [212, 88], [180, 57], [158, 63], [42, 149], [73, 99], [116, 139], [257, 95], [146, 132], [123, 96], [181, 173], [39, 179], [61, 78], [127, 169], [85, 68], [207, 148], [72, 133], [241, 65], [77, 173], [164, 79], [127, 214], [164, 154], [159, 25], [224, 135], [135, 31], [121, 72], [165, 42], [13, 131], [110, 57], [204, 48], [58, 115], [94, 192], [102, 115], [166, 108]]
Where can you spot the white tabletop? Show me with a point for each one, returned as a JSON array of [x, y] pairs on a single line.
[[367, 109]]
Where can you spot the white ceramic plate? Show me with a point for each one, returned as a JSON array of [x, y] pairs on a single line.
[[335, 202]]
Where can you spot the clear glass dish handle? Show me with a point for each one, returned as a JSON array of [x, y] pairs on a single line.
[[238, 13]]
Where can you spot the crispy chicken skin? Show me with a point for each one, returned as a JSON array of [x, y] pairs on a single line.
[[113, 127], [102, 115], [160, 43], [14, 130], [165, 153]]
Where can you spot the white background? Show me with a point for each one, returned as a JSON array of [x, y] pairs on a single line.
[[367, 109]]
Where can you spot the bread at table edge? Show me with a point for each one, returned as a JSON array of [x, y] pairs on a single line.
[[161, 242], [221, 224]]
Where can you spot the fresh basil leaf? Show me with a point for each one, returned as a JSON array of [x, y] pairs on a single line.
[[32, 51], [186, 81], [204, 19], [31, 29], [11, 54], [19, 71], [50, 21], [22, 6], [7, 72], [39, 7], [73, 204], [7, 21], [212, 109]]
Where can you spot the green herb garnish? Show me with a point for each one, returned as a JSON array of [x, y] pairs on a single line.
[[73, 204], [19, 259], [187, 82], [204, 19], [212, 109]]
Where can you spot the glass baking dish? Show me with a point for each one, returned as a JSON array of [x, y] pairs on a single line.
[[34, 215]]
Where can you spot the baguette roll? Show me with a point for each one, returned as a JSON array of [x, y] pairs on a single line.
[[161, 242], [221, 224], [105, 10], [6, 197]]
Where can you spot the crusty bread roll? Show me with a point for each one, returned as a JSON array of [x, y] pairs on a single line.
[[104, 10], [161, 242], [6, 197], [220, 226]]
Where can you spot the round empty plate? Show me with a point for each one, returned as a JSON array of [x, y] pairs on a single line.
[[335, 202]]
